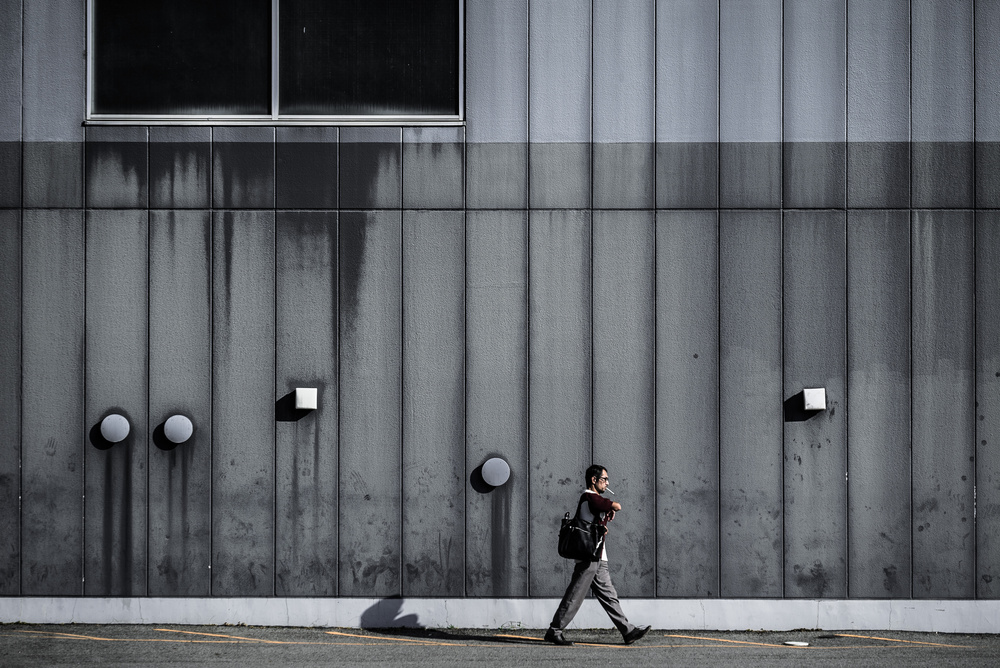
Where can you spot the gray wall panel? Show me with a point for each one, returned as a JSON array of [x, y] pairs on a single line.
[[878, 103], [11, 39], [180, 383], [243, 168], [180, 167], [496, 549], [814, 107], [624, 390], [750, 402], [942, 103], [370, 168], [54, 81], [243, 404], [560, 110], [687, 403], [496, 103], [52, 424], [10, 399], [987, 96], [116, 382], [306, 519], [624, 71], [815, 450], [560, 380], [750, 103], [988, 400], [943, 396], [55, 70], [433, 480], [433, 168], [117, 167], [687, 103], [52, 174], [370, 402], [306, 162], [878, 426]]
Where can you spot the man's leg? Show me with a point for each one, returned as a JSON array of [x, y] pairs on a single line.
[[583, 575], [608, 597]]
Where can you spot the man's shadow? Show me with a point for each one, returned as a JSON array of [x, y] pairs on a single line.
[[384, 618]]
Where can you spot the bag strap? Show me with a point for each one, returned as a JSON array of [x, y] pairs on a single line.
[[579, 504]]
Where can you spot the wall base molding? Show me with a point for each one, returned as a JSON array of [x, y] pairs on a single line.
[[686, 614]]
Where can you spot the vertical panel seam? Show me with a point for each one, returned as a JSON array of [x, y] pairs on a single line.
[[909, 183], [975, 303], [847, 313], [718, 304], [338, 585], [656, 422], [211, 315], [527, 291], [781, 278]]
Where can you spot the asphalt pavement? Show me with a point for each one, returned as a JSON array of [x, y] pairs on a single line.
[[175, 645]]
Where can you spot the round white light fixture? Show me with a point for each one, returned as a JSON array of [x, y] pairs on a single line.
[[114, 428], [178, 428], [496, 472]]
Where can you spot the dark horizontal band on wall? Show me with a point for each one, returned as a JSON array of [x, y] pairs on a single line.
[[435, 168]]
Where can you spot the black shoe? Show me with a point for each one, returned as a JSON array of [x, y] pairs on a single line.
[[636, 634], [555, 637]]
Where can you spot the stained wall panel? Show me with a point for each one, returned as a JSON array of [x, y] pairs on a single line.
[[878, 103], [54, 98], [10, 397], [116, 383], [942, 103], [559, 99], [814, 111], [750, 103], [750, 404], [180, 383], [370, 168], [243, 168], [117, 167], [624, 69], [11, 39], [815, 448], [370, 402], [623, 395], [306, 167], [433, 168], [243, 346], [52, 413], [496, 104], [987, 96], [496, 551], [180, 167], [306, 520], [433, 480], [988, 399], [687, 403], [943, 412], [559, 384], [878, 426], [687, 104]]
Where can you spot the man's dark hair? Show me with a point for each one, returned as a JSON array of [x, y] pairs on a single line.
[[594, 471]]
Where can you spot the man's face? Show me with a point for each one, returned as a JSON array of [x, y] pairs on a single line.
[[601, 484]]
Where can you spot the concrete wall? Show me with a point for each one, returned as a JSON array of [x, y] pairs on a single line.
[[660, 222]]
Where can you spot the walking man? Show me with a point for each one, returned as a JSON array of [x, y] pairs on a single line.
[[593, 574]]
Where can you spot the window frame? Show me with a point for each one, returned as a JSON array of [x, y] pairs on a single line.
[[274, 118]]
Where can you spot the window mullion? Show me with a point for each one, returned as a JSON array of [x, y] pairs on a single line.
[[274, 59]]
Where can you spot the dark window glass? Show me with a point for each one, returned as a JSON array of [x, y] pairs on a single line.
[[374, 57], [182, 57]]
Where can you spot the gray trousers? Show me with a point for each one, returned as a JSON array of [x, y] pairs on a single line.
[[595, 575]]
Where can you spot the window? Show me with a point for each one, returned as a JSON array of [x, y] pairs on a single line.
[[276, 60]]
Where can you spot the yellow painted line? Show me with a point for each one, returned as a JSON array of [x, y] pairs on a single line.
[[738, 642], [420, 642], [911, 642], [504, 635], [590, 644], [220, 635]]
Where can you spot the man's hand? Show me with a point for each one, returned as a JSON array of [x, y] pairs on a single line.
[[615, 506]]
